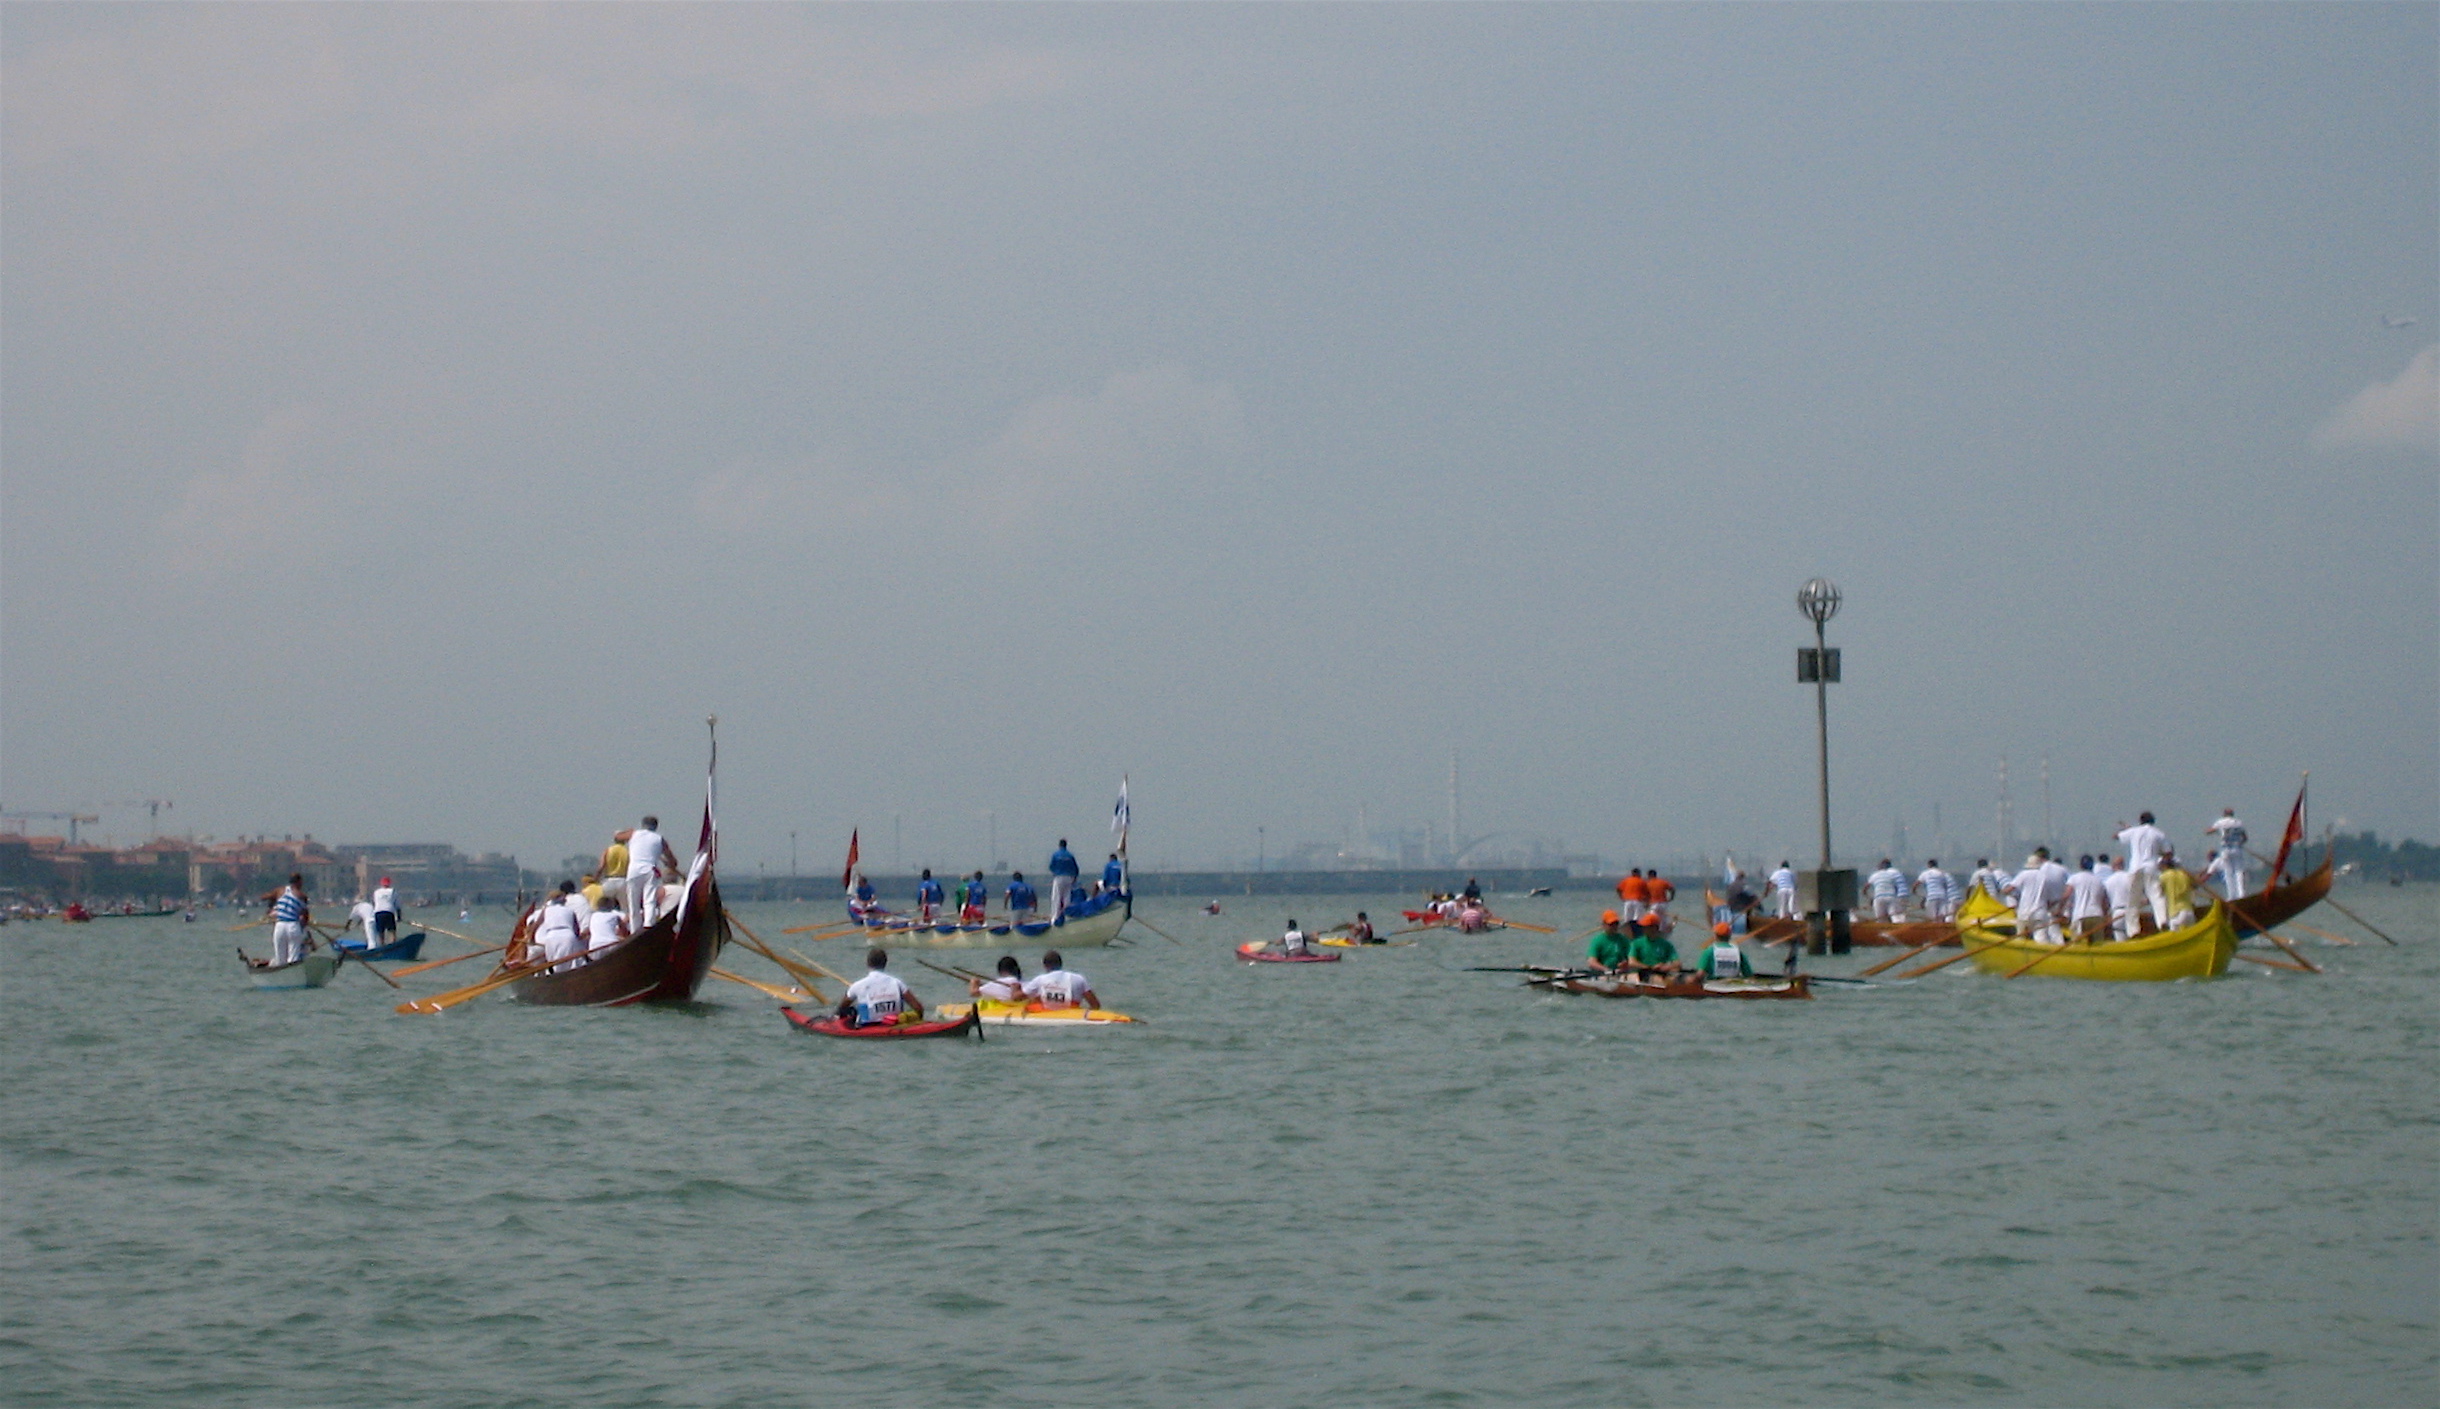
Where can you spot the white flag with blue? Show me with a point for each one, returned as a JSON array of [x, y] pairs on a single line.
[[1120, 817]]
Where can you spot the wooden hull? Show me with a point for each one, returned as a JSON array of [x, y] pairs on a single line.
[[664, 964], [2200, 950], [1628, 986], [1879, 934], [828, 1025], [403, 950], [1256, 954], [1074, 932], [315, 970], [2280, 904]]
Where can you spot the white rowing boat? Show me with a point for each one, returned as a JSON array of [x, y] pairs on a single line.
[[315, 970]]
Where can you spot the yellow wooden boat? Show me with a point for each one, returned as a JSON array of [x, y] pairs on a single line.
[[2199, 950], [998, 1014]]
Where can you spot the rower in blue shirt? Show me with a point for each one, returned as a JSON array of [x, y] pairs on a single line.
[[1113, 873], [1064, 872], [928, 897], [1021, 898]]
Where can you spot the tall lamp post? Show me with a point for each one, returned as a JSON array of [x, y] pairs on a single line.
[[1826, 894]]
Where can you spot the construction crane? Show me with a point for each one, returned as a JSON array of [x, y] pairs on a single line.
[[73, 819], [155, 804]]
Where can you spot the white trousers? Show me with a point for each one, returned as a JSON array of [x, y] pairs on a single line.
[[2234, 870], [1061, 888], [1785, 901], [1891, 908], [2148, 877], [2038, 924], [2125, 922], [643, 899], [561, 944], [287, 942]]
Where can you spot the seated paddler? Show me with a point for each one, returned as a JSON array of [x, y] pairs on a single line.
[[1361, 932], [1609, 949], [1056, 987], [1650, 949], [1722, 958], [1295, 941], [878, 997], [1007, 986]]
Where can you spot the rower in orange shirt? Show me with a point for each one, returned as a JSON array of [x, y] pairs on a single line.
[[1634, 895], [1658, 893]]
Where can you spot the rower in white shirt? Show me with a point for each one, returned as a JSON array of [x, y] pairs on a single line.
[[1055, 987], [2054, 879], [2088, 899], [555, 929], [1939, 891], [2034, 918], [2228, 859], [1007, 987], [361, 913], [1989, 879], [2145, 843], [1783, 891], [878, 997], [385, 915], [605, 927], [1887, 887], [2118, 883], [1294, 940], [648, 860]]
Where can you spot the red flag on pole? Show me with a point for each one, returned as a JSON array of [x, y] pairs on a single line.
[[847, 878], [2294, 835]]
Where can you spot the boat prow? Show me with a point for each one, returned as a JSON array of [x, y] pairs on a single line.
[[666, 963], [314, 970]]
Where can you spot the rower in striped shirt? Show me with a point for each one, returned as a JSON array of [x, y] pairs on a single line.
[[289, 916]]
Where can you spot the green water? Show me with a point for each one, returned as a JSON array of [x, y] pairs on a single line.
[[1381, 1182]]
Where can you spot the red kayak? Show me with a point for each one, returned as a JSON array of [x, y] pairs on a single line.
[[830, 1026], [1256, 954]]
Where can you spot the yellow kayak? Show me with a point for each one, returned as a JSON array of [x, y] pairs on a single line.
[[1340, 941], [997, 1014], [2199, 950]]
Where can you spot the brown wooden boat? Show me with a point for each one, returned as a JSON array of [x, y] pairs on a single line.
[[2280, 904], [1686, 986], [666, 963]]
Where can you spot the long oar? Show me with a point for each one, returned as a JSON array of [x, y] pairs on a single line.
[[365, 964], [453, 934], [1967, 951], [1526, 925], [754, 942], [2054, 952], [1156, 929], [2350, 914], [1909, 954], [2309, 965], [459, 959], [451, 999], [785, 995], [250, 925], [2273, 963], [2325, 934]]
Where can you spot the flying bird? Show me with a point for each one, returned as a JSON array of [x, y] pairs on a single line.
[[2392, 320]]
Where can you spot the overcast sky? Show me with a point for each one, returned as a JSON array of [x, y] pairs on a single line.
[[418, 418]]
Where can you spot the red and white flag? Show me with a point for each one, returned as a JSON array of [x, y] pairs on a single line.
[[847, 878], [2294, 835]]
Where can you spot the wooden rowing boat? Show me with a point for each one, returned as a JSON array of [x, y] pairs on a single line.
[[1084, 926], [314, 970], [997, 1014], [2280, 904], [1881, 934], [404, 949], [1687, 986], [1259, 953], [2198, 950], [664, 964], [830, 1025]]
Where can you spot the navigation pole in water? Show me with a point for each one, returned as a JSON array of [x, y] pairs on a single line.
[[1825, 894]]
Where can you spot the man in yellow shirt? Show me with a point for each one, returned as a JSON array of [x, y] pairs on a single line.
[[610, 873], [2177, 889]]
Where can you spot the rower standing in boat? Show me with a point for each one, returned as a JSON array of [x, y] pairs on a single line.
[[648, 860], [1939, 891], [2035, 920], [2177, 891], [1632, 895], [1989, 879], [1783, 891], [558, 930], [361, 913], [1887, 888], [2088, 900], [1608, 951], [1056, 987], [878, 997], [2145, 844], [1021, 898], [2228, 861], [2118, 884], [927, 897], [610, 873], [973, 897], [1722, 958], [290, 914], [1008, 987], [385, 915], [1113, 875], [1063, 877]]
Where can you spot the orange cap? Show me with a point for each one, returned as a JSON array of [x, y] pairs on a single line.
[[1721, 929], [1609, 917]]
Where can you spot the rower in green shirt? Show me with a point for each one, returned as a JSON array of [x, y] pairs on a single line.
[[1722, 958], [1610, 948], [1650, 949]]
